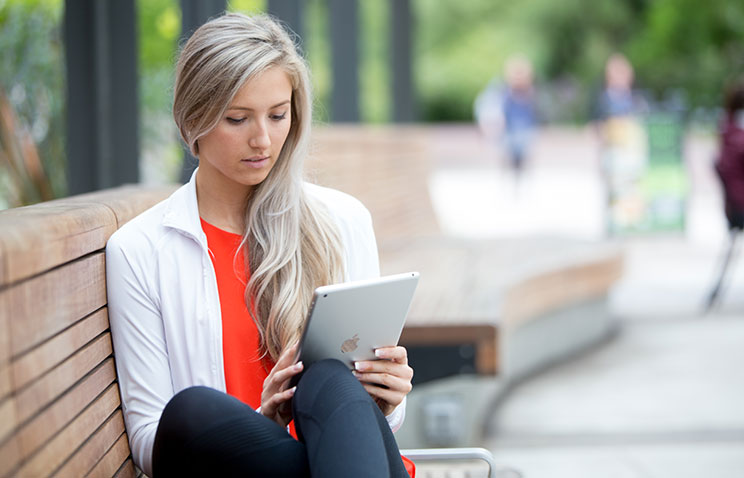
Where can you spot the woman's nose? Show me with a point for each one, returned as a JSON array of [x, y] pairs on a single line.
[[260, 137]]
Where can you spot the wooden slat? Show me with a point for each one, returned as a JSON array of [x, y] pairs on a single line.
[[127, 470], [447, 334], [48, 355], [5, 386], [37, 238], [100, 447], [40, 393], [9, 457], [59, 449], [47, 423], [8, 418], [483, 337], [127, 201], [560, 287], [5, 383], [44, 305], [113, 459]]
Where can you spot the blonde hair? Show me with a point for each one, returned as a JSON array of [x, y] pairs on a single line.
[[290, 240]]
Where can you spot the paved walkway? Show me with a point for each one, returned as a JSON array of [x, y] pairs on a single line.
[[665, 398]]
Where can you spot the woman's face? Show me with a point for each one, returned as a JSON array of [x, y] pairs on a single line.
[[246, 142]]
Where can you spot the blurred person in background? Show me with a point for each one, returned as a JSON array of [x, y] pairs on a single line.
[[520, 117], [506, 111], [730, 163], [623, 149]]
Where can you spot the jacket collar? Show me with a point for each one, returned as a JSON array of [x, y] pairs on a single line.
[[182, 211]]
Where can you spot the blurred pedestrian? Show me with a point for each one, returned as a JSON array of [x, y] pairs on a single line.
[[519, 112], [730, 163], [623, 153], [505, 111]]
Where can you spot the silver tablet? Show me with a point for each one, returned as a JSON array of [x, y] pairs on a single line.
[[349, 321]]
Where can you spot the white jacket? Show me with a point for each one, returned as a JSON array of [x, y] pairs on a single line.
[[164, 308]]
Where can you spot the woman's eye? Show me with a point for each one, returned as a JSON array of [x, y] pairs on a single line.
[[279, 117], [235, 120]]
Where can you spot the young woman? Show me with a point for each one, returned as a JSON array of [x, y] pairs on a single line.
[[208, 290]]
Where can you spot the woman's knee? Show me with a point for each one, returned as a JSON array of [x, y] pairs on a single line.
[[326, 384], [326, 373], [192, 409]]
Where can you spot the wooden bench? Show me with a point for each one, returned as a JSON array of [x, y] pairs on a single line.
[[60, 411], [59, 403]]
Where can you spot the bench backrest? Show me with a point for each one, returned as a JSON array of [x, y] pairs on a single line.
[[385, 167], [60, 411]]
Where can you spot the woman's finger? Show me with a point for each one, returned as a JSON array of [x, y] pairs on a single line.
[[396, 354], [385, 366], [285, 374], [287, 357], [282, 370], [391, 382], [272, 408], [390, 398]]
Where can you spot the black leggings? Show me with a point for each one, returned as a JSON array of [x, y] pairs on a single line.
[[341, 432]]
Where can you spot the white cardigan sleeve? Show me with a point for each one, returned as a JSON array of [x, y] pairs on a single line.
[[140, 350]]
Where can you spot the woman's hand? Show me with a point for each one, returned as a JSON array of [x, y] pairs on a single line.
[[387, 380], [275, 396]]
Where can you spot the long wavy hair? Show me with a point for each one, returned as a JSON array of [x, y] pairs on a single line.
[[290, 240]]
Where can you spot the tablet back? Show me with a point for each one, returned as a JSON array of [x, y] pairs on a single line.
[[348, 321]]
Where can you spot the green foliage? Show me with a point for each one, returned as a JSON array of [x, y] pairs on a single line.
[[694, 46], [246, 6], [318, 54], [458, 48], [681, 46], [32, 74], [374, 70]]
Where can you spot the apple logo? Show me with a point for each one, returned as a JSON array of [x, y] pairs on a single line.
[[350, 345]]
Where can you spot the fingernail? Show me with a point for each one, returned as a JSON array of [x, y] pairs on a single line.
[[358, 366], [298, 366], [379, 353], [293, 390], [355, 373]]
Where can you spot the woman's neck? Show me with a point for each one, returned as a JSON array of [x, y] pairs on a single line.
[[221, 203]]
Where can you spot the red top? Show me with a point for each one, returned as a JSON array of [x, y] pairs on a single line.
[[244, 370]]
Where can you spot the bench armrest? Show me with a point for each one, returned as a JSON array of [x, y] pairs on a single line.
[[441, 454]]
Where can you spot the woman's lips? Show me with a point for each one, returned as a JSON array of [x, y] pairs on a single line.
[[255, 162]]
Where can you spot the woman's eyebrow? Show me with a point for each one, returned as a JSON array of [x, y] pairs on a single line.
[[251, 109]]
